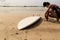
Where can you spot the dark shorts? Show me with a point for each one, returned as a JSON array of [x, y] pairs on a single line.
[[58, 14]]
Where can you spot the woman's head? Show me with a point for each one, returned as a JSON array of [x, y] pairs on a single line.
[[46, 4]]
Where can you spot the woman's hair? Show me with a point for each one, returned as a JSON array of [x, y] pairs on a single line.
[[45, 4]]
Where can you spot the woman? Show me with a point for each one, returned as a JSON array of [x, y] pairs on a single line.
[[53, 10]]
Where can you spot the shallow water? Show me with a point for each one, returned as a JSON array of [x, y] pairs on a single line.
[[22, 9]]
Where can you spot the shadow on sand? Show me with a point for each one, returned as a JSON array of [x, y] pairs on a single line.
[[53, 21], [34, 24]]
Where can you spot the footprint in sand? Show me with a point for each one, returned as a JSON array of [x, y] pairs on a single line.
[[17, 33], [4, 38], [25, 39]]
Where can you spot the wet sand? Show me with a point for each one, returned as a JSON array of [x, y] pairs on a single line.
[[43, 30]]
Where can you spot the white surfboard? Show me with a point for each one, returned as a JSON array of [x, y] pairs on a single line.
[[27, 21]]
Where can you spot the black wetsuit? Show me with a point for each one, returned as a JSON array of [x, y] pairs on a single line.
[[57, 10]]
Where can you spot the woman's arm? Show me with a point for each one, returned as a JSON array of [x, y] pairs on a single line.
[[47, 12]]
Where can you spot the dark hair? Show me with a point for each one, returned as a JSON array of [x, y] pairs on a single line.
[[45, 4]]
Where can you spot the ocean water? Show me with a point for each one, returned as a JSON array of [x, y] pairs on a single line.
[[22, 9]]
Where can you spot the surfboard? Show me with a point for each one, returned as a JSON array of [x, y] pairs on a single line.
[[27, 21]]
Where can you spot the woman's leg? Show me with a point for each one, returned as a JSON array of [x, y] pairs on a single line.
[[49, 14], [57, 19], [53, 14]]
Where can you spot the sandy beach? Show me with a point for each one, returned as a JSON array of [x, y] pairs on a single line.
[[43, 30]]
